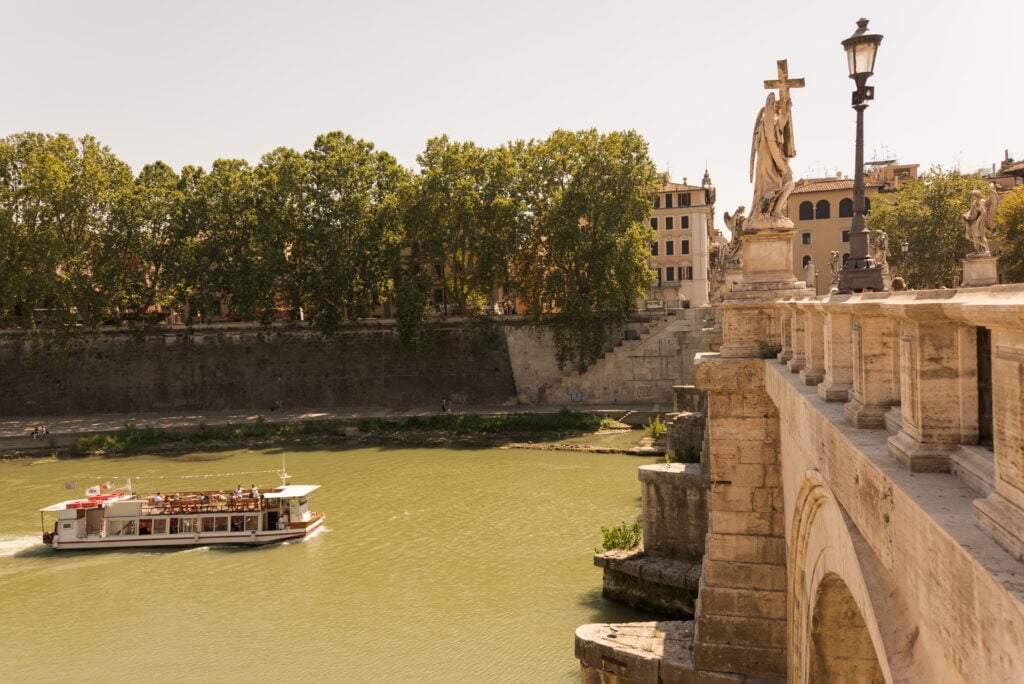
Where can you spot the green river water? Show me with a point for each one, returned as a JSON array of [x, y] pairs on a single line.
[[435, 565]]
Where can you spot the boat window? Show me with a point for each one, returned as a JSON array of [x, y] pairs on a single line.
[[237, 522], [160, 526], [175, 525], [118, 528], [251, 523], [220, 523], [187, 526], [146, 526], [207, 524]]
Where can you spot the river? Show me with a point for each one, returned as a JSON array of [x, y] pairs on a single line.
[[435, 565]]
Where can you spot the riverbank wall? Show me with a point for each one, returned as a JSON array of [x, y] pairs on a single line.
[[243, 366], [484, 361]]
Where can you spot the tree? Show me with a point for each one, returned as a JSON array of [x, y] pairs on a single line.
[[1010, 229], [925, 214], [142, 241], [57, 195], [350, 243], [581, 261], [461, 208], [282, 210]]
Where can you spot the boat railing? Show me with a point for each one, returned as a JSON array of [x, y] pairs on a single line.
[[201, 502]]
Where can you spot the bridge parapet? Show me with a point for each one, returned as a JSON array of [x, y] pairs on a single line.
[[901, 473]]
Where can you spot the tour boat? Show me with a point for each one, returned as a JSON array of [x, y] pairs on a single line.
[[122, 520]]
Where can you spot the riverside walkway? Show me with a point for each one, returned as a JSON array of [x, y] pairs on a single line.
[[62, 431]]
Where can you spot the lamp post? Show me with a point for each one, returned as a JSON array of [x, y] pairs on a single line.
[[905, 248], [860, 272]]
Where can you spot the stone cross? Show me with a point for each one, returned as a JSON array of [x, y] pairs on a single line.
[[783, 82]]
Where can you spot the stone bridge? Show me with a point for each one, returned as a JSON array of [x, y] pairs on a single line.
[[866, 471]]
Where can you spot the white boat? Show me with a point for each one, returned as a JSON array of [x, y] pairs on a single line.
[[176, 519]]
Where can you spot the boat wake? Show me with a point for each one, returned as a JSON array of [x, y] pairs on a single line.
[[15, 545]]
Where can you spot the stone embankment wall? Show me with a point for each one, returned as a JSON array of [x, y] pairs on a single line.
[[240, 366], [654, 353]]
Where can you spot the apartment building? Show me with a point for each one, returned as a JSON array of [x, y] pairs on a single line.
[[682, 219], [822, 213]]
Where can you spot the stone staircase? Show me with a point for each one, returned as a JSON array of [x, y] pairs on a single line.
[[640, 367]]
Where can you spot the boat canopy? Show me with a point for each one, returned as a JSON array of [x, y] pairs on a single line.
[[62, 505], [289, 491]]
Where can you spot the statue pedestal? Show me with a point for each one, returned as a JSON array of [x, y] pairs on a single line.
[[748, 328], [979, 270], [767, 256]]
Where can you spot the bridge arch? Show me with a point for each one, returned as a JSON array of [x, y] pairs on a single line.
[[847, 621]]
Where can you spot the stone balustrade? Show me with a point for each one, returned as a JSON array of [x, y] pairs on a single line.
[[941, 369]]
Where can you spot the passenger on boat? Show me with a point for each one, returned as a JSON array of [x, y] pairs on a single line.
[[158, 498], [255, 492], [239, 492]]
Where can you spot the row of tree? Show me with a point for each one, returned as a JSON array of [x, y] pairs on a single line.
[[924, 215], [558, 223]]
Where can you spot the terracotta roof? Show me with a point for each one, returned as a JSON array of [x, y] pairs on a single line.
[[826, 184], [674, 187], [1013, 169]]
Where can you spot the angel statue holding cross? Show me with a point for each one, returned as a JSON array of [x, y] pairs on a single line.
[[770, 151]]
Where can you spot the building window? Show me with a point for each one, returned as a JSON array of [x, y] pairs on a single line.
[[684, 199], [845, 208], [658, 271], [654, 222], [846, 236], [657, 201], [668, 223], [845, 258], [668, 200], [654, 249], [806, 211], [805, 238], [684, 222], [670, 274], [806, 260], [686, 272], [823, 210], [670, 247], [867, 205], [684, 246]]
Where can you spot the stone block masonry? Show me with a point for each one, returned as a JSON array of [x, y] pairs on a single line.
[[242, 366]]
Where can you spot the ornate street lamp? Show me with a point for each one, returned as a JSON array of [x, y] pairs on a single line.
[[860, 272]]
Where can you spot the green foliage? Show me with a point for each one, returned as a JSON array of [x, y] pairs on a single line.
[[581, 262], [463, 424], [655, 427], [623, 536], [132, 438], [1010, 229], [925, 214], [557, 225]]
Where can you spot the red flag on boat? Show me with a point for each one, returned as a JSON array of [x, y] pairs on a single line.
[[108, 485]]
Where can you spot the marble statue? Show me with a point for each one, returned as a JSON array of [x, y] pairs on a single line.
[[735, 223], [881, 251], [980, 217], [771, 149], [811, 275], [833, 265]]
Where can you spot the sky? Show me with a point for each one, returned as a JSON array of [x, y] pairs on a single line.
[[191, 81]]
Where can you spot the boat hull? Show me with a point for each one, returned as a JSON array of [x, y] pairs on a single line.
[[252, 538]]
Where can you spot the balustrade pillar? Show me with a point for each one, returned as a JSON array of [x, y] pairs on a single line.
[[875, 364]]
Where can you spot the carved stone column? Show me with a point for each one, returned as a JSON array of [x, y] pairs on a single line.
[[814, 344], [875, 363], [798, 323], [938, 387], [838, 345]]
